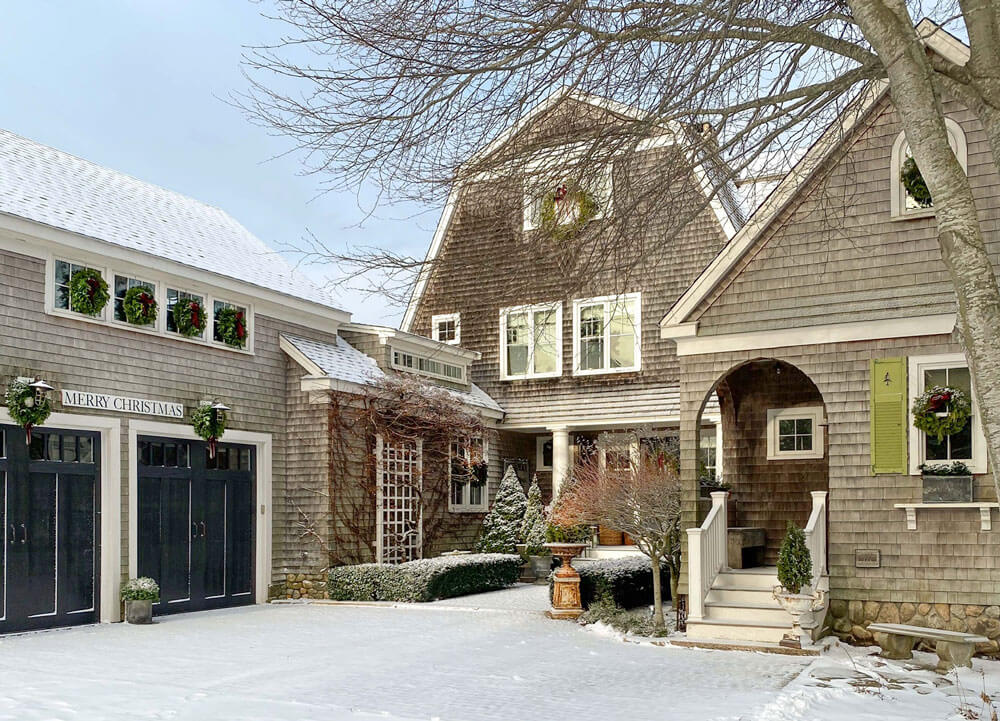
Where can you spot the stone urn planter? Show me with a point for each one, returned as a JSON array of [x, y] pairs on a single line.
[[540, 566], [798, 604], [139, 612], [566, 582]]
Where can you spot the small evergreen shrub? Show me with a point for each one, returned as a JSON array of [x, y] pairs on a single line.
[[141, 589], [794, 562], [534, 526], [502, 525], [424, 580], [621, 582]]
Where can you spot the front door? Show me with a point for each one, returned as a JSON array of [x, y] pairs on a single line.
[[50, 509], [196, 523]]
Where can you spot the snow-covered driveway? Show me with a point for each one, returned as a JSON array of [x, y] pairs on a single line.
[[451, 661]]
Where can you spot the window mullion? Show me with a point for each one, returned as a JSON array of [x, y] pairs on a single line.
[[606, 335]]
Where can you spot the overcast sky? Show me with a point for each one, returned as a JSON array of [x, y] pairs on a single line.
[[140, 86]]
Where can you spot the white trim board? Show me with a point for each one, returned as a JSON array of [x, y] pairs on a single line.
[[263, 513], [111, 500], [919, 326]]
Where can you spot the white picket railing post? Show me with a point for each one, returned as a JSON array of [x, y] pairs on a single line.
[[816, 536], [706, 554]]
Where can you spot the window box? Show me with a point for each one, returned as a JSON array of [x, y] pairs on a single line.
[[947, 489]]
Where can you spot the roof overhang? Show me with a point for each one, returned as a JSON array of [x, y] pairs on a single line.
[[415, 343]]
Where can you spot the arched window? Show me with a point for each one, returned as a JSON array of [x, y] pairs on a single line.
[[903, 205]]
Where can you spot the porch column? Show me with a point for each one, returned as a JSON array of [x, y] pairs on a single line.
[[560, 458]]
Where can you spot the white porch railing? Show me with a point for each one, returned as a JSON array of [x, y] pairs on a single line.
[[707, 548], [816, 537]]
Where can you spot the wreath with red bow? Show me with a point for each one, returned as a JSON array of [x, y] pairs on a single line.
[[231, 326], [139, 305], [566, 210], [941, 411], [88, 291], [189, 317]]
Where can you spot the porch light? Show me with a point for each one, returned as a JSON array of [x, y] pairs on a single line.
[[41, 388], [216, 408]]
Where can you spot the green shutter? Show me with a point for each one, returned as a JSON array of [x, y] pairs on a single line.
[[888, 415]]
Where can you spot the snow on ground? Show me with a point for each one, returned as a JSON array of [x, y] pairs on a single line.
[[486, 658]]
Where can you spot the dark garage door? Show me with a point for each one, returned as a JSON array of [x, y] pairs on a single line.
[[196, 523], [50, 512]]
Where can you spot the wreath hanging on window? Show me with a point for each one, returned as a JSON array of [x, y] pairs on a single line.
[[139, 305], [189, 317], [914, 183], [209, 424], [941, 411], [24, 408], [566, 211], [231, 326], [88, 291]]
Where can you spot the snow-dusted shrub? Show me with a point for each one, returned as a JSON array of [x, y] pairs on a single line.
[[141, 589], [794, 560], [622, 582], [425, 580], [535, 524], [502, 525]]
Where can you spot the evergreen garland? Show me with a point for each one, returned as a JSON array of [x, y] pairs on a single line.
[[189, 317], [231, 326], [586, 210], [208, 425], [913, 182], [24, 408], [88, 292], [794, 562], [502, 525], [534, 525], [139, 305], [941, 411]]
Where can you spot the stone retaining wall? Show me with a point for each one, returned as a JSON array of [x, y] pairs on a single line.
[[850, 619], [300, 585]]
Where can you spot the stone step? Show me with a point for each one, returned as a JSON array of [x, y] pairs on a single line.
[[749, 612], [741, 594], [765, 577], [737, 630]]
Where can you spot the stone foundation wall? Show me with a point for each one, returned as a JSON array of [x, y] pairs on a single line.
[[300, 585], [849, 620]]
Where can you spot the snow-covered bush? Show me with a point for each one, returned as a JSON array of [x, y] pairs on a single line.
[[502, 525], [622, 582], [426, 579], [141, 589], [535, 524], [794, 562]]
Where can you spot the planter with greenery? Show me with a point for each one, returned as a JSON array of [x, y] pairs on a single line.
[[533, 531], [795, 574], [139, 595], [946, 482]]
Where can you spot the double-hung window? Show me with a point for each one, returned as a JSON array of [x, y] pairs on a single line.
[[531, 341], [468, 476], [64, 271], [969, 444], [607, 335], [174, 297]]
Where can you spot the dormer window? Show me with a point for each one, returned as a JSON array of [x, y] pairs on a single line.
[[557, 201], [910, 198], [422, 365], [447, 328]]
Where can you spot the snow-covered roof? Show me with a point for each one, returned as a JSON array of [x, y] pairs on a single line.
[[342, 362], [49, 186]]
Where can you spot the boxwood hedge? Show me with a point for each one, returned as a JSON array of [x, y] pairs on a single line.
[[425, 580], [625, 582]]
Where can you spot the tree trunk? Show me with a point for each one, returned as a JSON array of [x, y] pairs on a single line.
[[888, 27], [675, 583], [657, 593]]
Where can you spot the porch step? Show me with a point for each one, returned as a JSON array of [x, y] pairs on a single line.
[[763, 577], [598, 552], [767, 631], [749, 612], [741, 594]]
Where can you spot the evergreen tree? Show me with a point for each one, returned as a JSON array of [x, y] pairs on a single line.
[[502, 525], [533, 528], [794, 561]]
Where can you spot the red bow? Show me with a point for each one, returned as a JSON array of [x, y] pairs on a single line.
[[241, 331], [147, 301], [195, 311], [94, 284], [561, 192], [939, 401]]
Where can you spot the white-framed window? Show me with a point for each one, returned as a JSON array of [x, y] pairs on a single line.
[[543, 453], [422, 365], [794, 433], [218, 305], [708, 454], [122, 285], [59, 271], [607, 334], [902, 204], [447, 328], [531, 341], [468, 476], [969, 444], [544, 186]]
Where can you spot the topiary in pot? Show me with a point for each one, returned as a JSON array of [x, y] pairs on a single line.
[[794, 562]]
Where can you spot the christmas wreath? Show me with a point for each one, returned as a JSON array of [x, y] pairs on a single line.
[[189, 317], [24, 408], [209, 424], [231, 326], [941, 411], [566, 210], [914, 183], [139, 305], [88, 291]]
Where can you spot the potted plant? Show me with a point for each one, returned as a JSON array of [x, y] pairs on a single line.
[[794, 574], [946, 482], [139, 595]]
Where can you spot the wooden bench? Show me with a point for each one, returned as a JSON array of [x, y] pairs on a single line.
[[954, 648]]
